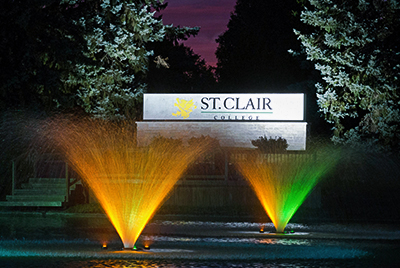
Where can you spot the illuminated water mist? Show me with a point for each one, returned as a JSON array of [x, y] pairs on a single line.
[[129, 182], [283, 181]]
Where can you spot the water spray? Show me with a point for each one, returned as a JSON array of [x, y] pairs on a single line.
[[120, 173], [283, 181]]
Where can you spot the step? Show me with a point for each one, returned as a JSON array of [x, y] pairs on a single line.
[[42, 185], [35, 198], [48, 180], [39, 191], [31, 204]]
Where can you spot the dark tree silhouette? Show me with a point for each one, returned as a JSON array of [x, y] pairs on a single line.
[[46, 60], [37, 43], [253, 53], [182, 70]]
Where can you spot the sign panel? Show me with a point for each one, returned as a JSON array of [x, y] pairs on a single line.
[[224, 107]]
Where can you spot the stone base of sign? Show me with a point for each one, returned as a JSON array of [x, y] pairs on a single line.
[[229, 134]]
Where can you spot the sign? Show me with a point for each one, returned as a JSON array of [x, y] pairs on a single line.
[[224, 107]]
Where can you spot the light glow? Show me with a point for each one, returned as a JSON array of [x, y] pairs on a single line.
[[129, 182], [282, 182]]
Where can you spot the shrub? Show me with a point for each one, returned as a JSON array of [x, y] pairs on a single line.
[[265, 145]]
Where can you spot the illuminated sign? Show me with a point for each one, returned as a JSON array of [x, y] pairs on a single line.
[[225, 107]]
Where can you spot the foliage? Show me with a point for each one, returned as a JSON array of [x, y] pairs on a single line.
[[80, 53], [354, 44], [36, 50], [265, 145], [111, 83], [252, 53], [186, 72], [176, 68]]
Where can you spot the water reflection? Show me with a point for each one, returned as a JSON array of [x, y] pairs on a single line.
[[66, 263], [254, 241], [71, 241]]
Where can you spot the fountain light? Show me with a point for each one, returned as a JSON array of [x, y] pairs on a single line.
[[282, 182], [129, 182], [129, 249]]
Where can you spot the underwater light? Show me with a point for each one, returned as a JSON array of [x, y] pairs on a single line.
[[288, 232], [262, 226], [130, 249], [284, 232]]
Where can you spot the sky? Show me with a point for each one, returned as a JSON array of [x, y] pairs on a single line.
[[212, 16]]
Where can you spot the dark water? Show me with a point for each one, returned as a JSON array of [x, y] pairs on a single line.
[[59, 240], [72, 263], [172, 264]]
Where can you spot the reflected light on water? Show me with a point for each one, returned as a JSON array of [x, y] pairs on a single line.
[[238, 240]]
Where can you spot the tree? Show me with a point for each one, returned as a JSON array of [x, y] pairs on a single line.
[[37, 43], [253, 53], [110, 83], [79, 53], [355, 46], [185, 71]]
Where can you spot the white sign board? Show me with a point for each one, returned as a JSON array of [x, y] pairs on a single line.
[[228, 107]]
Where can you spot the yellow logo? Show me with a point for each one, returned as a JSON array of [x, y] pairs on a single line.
[[185, 107]]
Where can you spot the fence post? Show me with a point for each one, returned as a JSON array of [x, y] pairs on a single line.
[[67, 182], [12, 177], [226, 165]]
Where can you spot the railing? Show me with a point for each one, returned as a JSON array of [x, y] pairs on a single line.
[[13, 177], [68, 182], [222, 165], [225, 163]]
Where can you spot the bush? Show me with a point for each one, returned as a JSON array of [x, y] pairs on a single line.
[[270, 145]]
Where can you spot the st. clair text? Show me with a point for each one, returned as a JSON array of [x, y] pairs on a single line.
[[240, 104]]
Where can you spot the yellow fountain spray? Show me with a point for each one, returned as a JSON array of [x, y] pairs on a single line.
[[129, 182]]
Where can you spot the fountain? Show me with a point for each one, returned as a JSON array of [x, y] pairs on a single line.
[[58, 239], [283, 181], [129, 182]]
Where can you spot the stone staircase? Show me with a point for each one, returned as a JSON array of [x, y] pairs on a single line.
[[39, 192]]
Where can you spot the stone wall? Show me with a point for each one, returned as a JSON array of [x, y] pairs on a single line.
[[229, 134]]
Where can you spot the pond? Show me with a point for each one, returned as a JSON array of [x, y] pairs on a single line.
[[75, 240]]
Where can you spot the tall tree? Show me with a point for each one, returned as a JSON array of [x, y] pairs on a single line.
[[92, 54], [37, 43], [355, 46], [182, 69], [253, 53], [110, 83]]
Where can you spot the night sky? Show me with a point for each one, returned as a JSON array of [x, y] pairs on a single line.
[[211, 15]]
